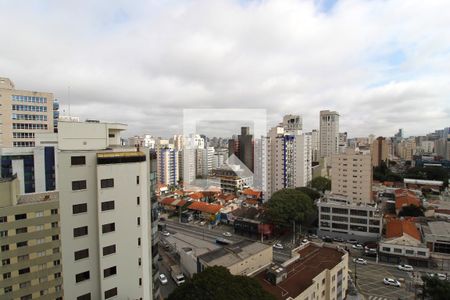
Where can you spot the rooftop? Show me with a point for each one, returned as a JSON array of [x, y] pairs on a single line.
[[300, 274], [205, 207], [38, 197], [397, 228], [439, 228], [232, 254]]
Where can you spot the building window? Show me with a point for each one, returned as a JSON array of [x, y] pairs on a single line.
[[84, 297], [137, 179], [6, 275], [109, 272], [57, 275], [421, 253], [110, 293], [6, 261], [409, 252], [54, 224], [107, 183], [111, 249], [110, 227], [24, 271], [81, 254], [138, 221], [139, 261], [54, 211], [397, 250], [79, 185], [22, 244], [55, 237], [80, 231], [82, 276], [4, 233], [139, 241], [387, 249], [78, 160], [79, 208], [8, 289], [3, 219], [56, 262], [140, 281], [55, 250], [107, 205], [21, 216], [138, 200], [5, 248]]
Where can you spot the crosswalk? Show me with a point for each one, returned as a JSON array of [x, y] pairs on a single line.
[[378, 298]]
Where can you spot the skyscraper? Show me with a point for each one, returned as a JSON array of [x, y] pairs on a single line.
[[289, 155], [23, 114], [246, 148], [105, 213], [329, 133], [379, 151]]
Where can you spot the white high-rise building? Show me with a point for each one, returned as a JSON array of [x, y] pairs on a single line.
[[315, 144], [329, 133], [289, 156], [167, 164], [105, 213], [204, 161]]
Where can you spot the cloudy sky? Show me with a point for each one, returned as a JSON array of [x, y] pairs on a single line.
[[381, 64]]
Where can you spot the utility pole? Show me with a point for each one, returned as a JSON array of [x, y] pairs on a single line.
[[293, 235]]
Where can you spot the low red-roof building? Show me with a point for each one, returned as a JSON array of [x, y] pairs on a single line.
[[207, 211]]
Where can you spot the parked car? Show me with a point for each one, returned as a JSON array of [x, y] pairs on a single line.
[[360, 261], [391, 281], [440, 276], [313, 236], [227, 234], [358, 247], [202, 223], [338, 239], [162, 278], [278, 246], [165, 233], [305, 241], [327, 239], [407, 268], [352, 241]]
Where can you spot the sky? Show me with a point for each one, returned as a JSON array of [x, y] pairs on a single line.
[[382, 65]]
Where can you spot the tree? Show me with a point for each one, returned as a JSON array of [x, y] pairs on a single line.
[[290, 205], [411, 211], [434, 288], [219, 284], [428, 173], [383, 173], [320, 184], [313, 194]]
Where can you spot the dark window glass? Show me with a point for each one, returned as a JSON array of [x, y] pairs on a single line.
[[22, 244], [54, 211], [82, 276], [84, 297], [108, 227], [138, 200], [55, 237], [3, 219], [107, 183], [78, 160], [109, 250], [107, 205], [137, 179], [79, 208], [78, 185], [5, 248], [110, 293], [81, 254], [138, 221], [139, 241], [24, 271], [109, 272], [21, 230], [80, 231], [21, 216]]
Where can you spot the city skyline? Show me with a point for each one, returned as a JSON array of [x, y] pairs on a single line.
[[143, 63]]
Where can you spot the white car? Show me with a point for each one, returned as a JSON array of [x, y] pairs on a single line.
[[278, 246], [358, 247], [360, 261], [438, 275], [390, 281], [305, 241], [407, 268], [162, 278], [226, 234], [165, 233], [202, 223]]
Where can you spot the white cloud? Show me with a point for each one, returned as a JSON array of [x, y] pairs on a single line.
[[382, 64]]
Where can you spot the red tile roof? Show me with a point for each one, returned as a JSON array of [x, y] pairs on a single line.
[[173, 202], [205, 207], [226, 197], [397, 228], [251, 192], [167, 201], [406, 200], [196, 196]]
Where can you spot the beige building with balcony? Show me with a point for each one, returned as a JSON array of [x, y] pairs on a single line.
[[23, 114], [351, 175], [30, 244]]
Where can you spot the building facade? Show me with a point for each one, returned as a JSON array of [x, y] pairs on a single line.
[[30, 244], [105, 213], [23, 114], [351, 175], [329, 133]]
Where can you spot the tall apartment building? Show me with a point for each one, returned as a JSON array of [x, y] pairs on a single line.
[[289, 155], [406, 148], [105, 213], [167, 163], [315, 145], [342, 142], [30, 244], [379, 151], [23, 114], [204, 161], [154, 223], [351, 175], [246, 149], [329, 133]]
